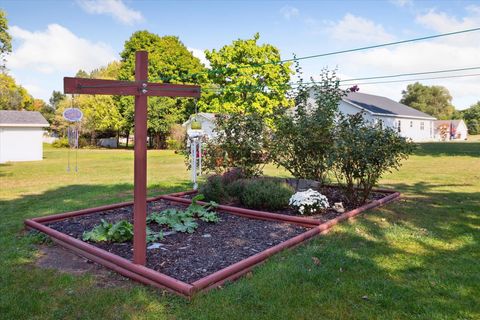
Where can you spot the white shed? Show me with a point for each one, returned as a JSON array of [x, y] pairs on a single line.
[[21, 134]]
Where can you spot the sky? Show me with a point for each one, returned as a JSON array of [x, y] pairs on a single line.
[[53, 39]]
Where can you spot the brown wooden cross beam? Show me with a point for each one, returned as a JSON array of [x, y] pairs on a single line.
[[141, 89]]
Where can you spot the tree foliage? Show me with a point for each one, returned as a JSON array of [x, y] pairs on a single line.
[[302, 142], [5, 38], [250, 77], [13, 96], [169, 62], [472, 118], [433, 100], [363, 152]]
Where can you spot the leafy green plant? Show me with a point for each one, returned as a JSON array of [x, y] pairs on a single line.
[[184, 221], [302, 141], [214, 189], [363, 152], [121, 231], [241, 142], [266, 194]]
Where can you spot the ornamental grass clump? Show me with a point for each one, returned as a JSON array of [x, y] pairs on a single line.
[[309, 202]]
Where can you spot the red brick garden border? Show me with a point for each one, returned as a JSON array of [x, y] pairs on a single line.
[[151, 277]]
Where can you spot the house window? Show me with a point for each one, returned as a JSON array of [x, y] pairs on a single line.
[[399, 126], [422, 125], [411, 124]]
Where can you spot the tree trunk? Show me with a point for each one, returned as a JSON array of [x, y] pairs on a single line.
[[127, 133]]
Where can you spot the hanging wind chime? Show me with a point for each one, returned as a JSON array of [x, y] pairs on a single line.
[[195, 136], [73, 115]]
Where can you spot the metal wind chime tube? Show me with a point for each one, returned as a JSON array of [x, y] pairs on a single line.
[[73, 116]]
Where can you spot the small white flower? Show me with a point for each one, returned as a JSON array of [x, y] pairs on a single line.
[[309, 202]]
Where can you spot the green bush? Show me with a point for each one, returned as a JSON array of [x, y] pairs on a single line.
[[363, 152], [214, 189], [241, 142], [235, 189], [60, 143], [302, 141], [173, 144], [265, 194]]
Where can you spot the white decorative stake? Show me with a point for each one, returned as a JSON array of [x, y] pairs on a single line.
[[195, 140], [74, 116]]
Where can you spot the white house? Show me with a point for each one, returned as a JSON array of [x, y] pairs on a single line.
[[207, 120], [450, 130], [408, 122], [21, 135]]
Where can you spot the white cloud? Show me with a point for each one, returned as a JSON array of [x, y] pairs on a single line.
[[114, 8], [357, 29], [56, 49], [200, 54], [458, 51], [289, 12], [402, 3]]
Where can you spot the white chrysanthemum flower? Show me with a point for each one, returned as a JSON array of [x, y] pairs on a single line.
[[309, 202]]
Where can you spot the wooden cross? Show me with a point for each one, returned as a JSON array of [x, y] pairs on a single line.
[[141, 89]]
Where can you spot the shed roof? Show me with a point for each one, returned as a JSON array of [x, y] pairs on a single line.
[[13, 118], [383, 105]]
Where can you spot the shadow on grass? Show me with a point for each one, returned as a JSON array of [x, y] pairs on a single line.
[[412, 259], [440, 149]]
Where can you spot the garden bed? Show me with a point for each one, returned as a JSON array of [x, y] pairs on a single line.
[[332, 192], [188, 263], [184, 256]]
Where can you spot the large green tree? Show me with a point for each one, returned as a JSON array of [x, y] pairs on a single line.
[[101, 112], [169, 62], [249, 76], [12, 95], [433, 100], [5, 39], [472, 118]]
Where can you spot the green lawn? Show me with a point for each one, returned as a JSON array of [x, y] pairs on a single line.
[[417, 258]]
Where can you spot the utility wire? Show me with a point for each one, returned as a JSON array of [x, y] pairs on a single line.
[[418, 79], [220, 70], [257, 88]]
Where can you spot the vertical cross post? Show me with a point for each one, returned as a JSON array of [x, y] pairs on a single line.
[[140, 161], [141, 89]]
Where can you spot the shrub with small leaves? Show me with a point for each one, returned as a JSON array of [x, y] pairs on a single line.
[[309, 202], [214, 189], [265, 194]]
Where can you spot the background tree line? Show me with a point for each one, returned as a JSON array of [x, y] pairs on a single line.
[[244, 77]]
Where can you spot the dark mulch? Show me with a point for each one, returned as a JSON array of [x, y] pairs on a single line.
[[189, 257]]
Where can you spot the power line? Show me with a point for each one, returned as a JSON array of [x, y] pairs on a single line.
[[257, 88], [417, 79], [220, 70], [410, 74], [384, 44]]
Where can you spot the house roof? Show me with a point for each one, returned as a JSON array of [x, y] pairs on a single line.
[[13, 118], [383, 106], [206, 115]]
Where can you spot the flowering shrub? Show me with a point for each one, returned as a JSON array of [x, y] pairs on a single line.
[[309, 202]]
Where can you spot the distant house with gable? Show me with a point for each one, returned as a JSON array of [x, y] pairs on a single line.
[[407, 121], [446, 130], [21, 134]]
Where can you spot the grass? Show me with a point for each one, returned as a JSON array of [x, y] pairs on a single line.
[[413, 259]]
